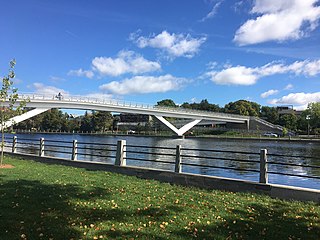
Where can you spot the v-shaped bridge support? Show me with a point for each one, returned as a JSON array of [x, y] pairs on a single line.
[[24, 116], [181, 130]]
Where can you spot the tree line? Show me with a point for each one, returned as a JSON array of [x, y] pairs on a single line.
[[97, 121]]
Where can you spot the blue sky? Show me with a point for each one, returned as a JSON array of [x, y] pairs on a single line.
[[267, 51]]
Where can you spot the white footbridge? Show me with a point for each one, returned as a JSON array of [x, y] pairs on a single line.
[[43, 102]]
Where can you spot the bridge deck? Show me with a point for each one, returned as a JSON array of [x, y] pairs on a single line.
[[86, 103]]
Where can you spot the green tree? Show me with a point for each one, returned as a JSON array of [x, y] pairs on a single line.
[[243, 107], [289, 121], [166, 103], [203, 105], [206, 106], [270, 114], [313, 111], [86, 123], [8, 98], [101, 121], [54, 120]]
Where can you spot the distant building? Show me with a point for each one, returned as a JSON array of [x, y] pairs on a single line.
[[287, 109], [130, 119]]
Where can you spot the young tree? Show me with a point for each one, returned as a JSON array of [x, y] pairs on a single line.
[[8, 108]]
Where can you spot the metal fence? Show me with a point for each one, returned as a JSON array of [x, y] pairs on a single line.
[[176, 158]]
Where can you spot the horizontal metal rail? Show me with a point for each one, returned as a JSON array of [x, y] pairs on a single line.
[[294, 165], [229, 168], [51, 150], [293, 156], [219, 151], [28, 139], [21, 147], [140, 146], [95, 155], [26, 143], [97, 149], [293, 175], [94, 143], [220, 158], [57, 146], [57, 141], [149, 160], [148, 153]]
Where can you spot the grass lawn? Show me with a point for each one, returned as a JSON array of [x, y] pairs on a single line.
[[41, 201]]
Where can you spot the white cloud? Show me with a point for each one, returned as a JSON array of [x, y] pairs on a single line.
[[213, 12], [279, 20], [288, 87], [40, 88], [81, 73], [269, 93], [126, 62], [176, 45], [300, 100], [144, 84], [241, 75]]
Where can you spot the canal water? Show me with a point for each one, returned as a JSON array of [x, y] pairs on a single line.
[[296, 150]]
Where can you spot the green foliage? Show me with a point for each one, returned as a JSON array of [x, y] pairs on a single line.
[[8, 98], [284, 131], [96, 121], [204, 105], [166, 103], [289, 121], [313, 111], [243, 107], [270, 114], [46, 201], [101, 121], [86, 124], [52, 120]]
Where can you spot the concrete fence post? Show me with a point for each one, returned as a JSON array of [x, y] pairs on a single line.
[[74, 150], [177, 167], [41, 150], [14, 144], [121, 153], [263, 166]]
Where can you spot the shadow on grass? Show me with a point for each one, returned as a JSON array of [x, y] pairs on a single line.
[[259, 222], [32, 210]]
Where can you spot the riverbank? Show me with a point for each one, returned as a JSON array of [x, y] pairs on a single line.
[[59, 202]]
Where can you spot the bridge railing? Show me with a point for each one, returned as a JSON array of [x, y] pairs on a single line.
[[122, 103], [252, 166]]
